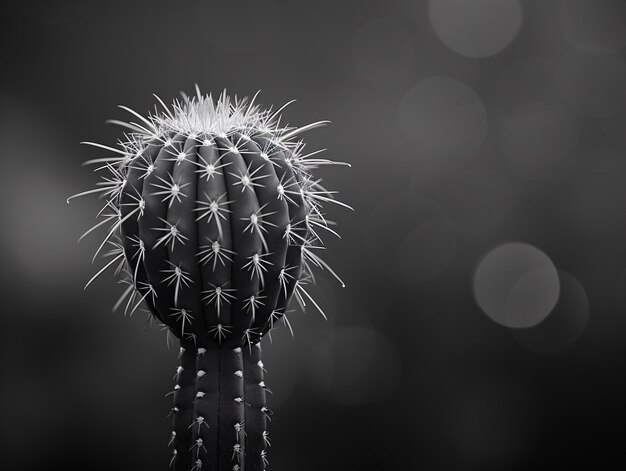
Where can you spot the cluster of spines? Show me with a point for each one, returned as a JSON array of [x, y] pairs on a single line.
[[220, 414], [191, 126]]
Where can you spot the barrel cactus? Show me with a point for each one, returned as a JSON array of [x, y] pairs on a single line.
[[213, 220]]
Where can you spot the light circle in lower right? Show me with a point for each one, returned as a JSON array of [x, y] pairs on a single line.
[[516, 285], [565, 324]]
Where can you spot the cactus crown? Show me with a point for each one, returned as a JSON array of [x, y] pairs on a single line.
[[214, 217], [201, 114]]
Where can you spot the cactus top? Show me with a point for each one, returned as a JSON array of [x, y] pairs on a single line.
[[214, 217], [203, 115]]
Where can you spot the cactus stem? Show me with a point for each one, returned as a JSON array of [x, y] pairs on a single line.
[[248, 180], [251, 305], [179, 369], [322, 224], [229, 175], [214, 209], [281, 188], [176, 388], [174, 454], [276, 315], [282, 278], [237, 452], [177, 276], [247, 336], [266, 438], [147, 169], [150, 290], [179, 156], [239, 431], [199, 422], [141, 249], [214, 251], [220, 332], [172, 235], [293, 236], [172, 190], [199, 444], [110, 234], [217, 295], [183, 316], [257, 223], [139, 202]]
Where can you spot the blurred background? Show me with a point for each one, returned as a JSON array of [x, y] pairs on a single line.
[[483, 325]]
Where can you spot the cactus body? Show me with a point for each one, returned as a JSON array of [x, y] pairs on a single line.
[[214, 219]]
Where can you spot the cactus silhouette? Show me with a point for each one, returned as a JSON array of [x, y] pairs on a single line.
[[214, 220]]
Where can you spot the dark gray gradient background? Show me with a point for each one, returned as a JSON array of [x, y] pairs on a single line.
[[452, 156]]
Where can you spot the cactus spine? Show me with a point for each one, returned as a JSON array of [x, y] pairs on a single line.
[[214, 220]]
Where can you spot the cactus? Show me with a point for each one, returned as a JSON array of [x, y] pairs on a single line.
[[214, 220]]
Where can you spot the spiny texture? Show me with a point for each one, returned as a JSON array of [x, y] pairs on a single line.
[[214, 220]]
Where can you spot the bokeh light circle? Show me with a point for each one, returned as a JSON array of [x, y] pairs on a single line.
[[594, 26], [383, 52], [238, 25], [516, 285], [441, 113], [435, 59], [564, 325], [477, 28], [540, 141], [593, 85]]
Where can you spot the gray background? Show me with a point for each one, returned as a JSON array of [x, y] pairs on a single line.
[[469, 125]]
